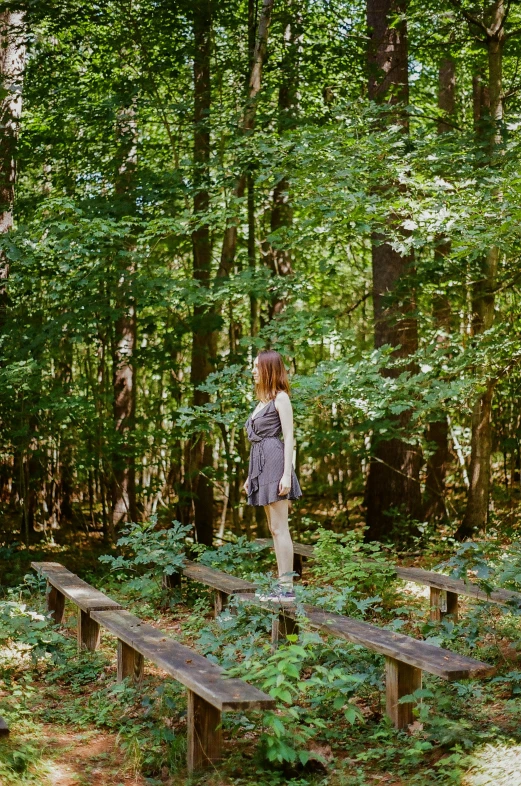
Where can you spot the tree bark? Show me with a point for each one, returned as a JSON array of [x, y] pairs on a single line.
[[199, 447], [12, 61], [124, 505], [490, 117], [279, 259], [247, 124], [438, 431], [393, 478]]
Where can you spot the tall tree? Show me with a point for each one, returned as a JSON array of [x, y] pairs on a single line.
[[490, 31], [12, 60], [393, 479], [125, 327], [438, 431], [279, 256], [204, 343]]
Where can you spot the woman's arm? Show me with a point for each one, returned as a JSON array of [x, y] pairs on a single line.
[[285, 410]]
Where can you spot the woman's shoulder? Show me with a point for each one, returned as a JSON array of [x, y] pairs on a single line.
[[281, 397]]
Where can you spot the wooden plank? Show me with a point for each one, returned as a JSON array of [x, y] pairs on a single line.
[[298, 548], [88, 632], [216, 579], [431, 579], [400, 680], [55, 603], [4, 728], [130, 663], [428, 578], [193, 670], [204, 742], [75, 589], [443, 663]]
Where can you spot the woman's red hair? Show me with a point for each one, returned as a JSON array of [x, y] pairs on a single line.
[[273, 376]]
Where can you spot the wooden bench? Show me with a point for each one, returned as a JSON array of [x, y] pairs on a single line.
[[4, 728], [444, 590], [62, 585], [223, 583], [405, 658], [209, 691]]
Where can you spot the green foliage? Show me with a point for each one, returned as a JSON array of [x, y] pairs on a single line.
[[28, 630], [361, 572], [147, 553], [243, 557]]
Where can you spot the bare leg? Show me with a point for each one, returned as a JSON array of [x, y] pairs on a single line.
[[277, 515]]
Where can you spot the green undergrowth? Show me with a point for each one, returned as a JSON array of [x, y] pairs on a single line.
[[329, 725]]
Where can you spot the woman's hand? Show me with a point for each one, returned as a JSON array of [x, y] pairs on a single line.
[[245, 486], [284, 485]]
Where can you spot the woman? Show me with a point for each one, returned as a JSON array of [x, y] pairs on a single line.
[[271, 479]]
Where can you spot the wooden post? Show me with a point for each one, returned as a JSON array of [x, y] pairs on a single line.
[[204, 733], [4, 728], [297, 564], [452, 605], [400, 680], [280, 628], [171, 580], [55, 603], [130, 663], [435, 604], [220, 601], [88, 632]]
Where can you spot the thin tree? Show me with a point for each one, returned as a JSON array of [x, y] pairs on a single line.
[[438, 431]]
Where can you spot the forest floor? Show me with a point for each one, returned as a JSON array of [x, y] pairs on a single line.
[[73, 725]]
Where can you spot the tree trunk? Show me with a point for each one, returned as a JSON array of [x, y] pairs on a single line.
[[124, 372], [483, 298], [247, 125], [279, 259], [438, 432], [199, 448], [393, 478], [12, 60]]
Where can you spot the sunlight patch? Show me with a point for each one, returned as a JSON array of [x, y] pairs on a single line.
[[496, 765]]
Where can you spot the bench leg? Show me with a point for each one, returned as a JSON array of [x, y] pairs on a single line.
[[171, 580], [220, 601], [204, 733], [400, 680], [297, 564], [130, 663], [436, 601], [88, 632], [55, 603], [280, 628], [452, 605], [4, 728]]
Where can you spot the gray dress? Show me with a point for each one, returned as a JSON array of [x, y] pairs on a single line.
[[267, 458]]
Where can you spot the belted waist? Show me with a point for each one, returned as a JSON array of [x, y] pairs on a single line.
[[257, 462]]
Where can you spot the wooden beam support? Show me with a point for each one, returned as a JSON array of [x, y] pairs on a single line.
[[4, 728], [280, 628], [88, 632], [220, 601], [55, 603], [452, 605], [436, 604], [130, 663], [400, 680], [204, 743], [171, 581], [297, 564]]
